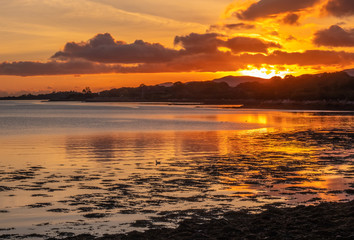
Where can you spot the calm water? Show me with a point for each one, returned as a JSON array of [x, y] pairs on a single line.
[[98, 167]]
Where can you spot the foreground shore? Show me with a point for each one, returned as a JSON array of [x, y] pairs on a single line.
[[323, 221]]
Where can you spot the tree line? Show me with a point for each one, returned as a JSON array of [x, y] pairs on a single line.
[[325, 86]]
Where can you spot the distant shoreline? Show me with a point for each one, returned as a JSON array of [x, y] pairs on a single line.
[[326, 91], [228, 104]]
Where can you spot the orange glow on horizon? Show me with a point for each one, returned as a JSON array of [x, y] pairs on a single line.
[[263, 73], [269, 71]]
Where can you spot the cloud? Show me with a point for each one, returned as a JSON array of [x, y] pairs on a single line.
[[335, 36], [199, 43], [29, 68], [290, 38], [246, 44], [306, 58], [200, 62], [210, 42], [291, 19], [226, 61], [232, 26], [340, 8], [103, 48], [198, 53], [269, 8]]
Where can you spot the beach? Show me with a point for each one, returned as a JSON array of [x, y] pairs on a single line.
[[322, 221]]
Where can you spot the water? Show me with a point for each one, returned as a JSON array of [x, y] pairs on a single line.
[[68, 168]]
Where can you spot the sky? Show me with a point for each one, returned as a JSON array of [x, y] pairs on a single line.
[[59, 45]]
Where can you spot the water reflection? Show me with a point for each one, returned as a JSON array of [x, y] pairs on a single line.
[[260, 157], [282, 119], [289, 166]]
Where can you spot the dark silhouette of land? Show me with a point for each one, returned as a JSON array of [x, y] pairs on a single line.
[[319, 91]]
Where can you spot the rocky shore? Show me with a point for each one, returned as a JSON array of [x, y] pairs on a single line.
[[323, 221]]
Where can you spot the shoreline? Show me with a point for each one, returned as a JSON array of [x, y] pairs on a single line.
[[327, 220]]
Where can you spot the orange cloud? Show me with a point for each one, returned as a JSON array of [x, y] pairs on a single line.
[[231, 26], [306, 58], [207, 52]]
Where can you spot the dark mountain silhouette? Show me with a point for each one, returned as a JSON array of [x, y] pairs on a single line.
[[328, 90], [166, 84], [350, 72], [325, 86], [234, 81]]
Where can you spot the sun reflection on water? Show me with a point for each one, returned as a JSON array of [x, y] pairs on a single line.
[[285, 157]]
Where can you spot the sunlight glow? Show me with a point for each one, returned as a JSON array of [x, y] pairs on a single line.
[[265, 72], [224, 49]]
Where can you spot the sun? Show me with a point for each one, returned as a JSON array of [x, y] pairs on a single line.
[[264, 72]]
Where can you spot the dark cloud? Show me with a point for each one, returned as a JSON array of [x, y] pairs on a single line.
[[199, 43], [335, 36], [103, 48], [52, 68], [232, 26], [199, 53], [291, 19], [237, 26], [200, 62], [228, 62], [340, 8], [221, 61], [341, 23], [269, 8], [306, 58], [210, 42], [246, 44]]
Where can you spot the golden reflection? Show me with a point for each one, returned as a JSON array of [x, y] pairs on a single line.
[[285, 120], [244, 118], [279, 159], [327, 182], [258, 131], [241, 190]]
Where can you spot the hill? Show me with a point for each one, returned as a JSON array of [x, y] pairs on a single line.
[[319, 91], [234, 81]]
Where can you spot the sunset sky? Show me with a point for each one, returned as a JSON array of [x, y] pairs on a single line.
[[54, 45]]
